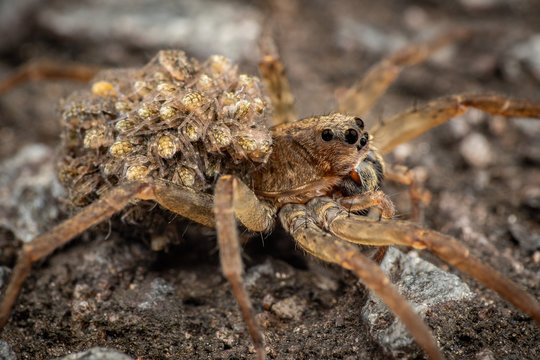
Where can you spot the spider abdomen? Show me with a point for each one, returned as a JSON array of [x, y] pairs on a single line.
[[173, 119]]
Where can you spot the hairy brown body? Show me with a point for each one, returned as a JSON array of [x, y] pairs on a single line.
[[305, 163]]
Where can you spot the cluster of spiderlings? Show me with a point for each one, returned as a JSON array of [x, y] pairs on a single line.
[[173, 119]]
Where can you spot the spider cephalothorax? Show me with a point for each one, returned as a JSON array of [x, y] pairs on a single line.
[[315, 157], [203, 142]]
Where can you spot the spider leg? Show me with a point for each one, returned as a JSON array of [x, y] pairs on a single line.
[[276, 83], [367, 200], [365, 231], [361, 96], [299, 221], [234, 197], [38, 70], [43, 245], [415, 121], [183, 201], [419, 196]]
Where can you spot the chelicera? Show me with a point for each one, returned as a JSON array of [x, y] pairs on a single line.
[[209, 144]]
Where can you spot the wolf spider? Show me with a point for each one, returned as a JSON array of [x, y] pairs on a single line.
[[175, 134]]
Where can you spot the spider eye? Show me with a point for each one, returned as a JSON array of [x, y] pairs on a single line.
[[327, 134], [359, 123], [351, 136], [363, 141]]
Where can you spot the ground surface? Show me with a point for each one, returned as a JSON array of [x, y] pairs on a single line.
[[109, 289]]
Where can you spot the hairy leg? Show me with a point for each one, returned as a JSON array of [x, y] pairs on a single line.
[[361, 96], [234, 197], [404, 126], [365, 231], [298, 221], [47, 70], [275, 82], [419, 196], [368, 200], [183, 201], [43, 245]]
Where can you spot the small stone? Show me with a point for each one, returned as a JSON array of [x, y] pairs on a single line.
[[227, 336], [476, 150], [6, 353], [485, 354], [268, 301], [97, 353], [524, 59], [536, 257], [289, 308]]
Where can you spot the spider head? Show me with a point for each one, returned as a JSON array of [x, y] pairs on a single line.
[[334, 143], [340, 143]]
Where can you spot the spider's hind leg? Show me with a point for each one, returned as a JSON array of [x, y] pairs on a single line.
[[300, 222], [39, 70], [275, 82]]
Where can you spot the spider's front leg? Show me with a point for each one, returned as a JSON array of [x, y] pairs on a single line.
[[301, 223], [232, 197], [365, 231]]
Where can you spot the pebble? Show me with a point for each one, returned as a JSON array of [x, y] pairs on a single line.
[[97, 353], [6, 352], [289, 308], [476, 150], [524, 58]]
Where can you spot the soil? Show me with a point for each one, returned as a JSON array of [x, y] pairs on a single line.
[[108, 288]]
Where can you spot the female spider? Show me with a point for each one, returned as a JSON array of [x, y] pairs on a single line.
[[203, 141]]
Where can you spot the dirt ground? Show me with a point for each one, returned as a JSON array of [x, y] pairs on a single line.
[[108, 288]]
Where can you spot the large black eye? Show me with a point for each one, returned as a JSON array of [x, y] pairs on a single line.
[[359, 123], [351, 136], [327, 135]]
